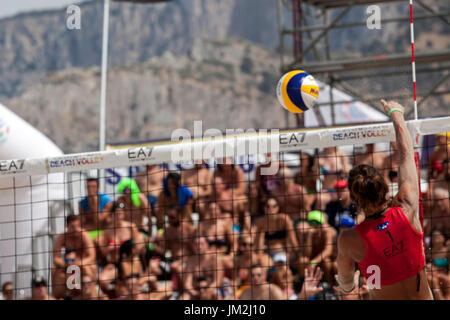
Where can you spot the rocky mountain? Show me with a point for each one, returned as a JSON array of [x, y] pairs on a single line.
[[172, 63], [34, 44], [226, 84]]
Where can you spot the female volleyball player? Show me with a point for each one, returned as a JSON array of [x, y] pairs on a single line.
[[388, 244]]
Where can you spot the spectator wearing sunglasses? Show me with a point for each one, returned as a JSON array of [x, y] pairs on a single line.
[[59, 275], [246, 258], [260, 289], [7, 291], [276, 230]]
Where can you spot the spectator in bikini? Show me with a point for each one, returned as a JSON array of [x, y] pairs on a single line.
[[438, 156], [79, 240], [260, 289], [246, 258], [150, 183], [174, 194], [218, 229], [276, 230], [332, 165], [203, 264], [438, 255], [443, 182], [94, 208], [136, 204]]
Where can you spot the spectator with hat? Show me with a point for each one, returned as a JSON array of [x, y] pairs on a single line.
[[342, 207]]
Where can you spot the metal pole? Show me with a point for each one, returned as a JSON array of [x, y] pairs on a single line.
[[102, 129]]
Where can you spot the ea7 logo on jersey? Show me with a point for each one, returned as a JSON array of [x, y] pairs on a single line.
[[383, 226]]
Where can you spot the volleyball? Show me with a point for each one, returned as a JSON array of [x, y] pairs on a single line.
[[297, 91]]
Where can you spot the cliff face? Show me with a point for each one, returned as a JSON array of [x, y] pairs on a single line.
[[225, 84], [172, 63], [33, 44]]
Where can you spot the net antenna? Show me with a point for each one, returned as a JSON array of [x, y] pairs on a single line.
[[413, 60]]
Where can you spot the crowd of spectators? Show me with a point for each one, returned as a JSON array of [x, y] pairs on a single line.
[[203, 234]]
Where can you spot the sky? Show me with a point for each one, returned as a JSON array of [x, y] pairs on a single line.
[[12, 7]]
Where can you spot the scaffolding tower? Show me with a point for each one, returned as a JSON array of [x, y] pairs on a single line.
[[304, 33]]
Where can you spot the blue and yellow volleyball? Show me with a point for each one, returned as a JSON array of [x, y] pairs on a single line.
[[297, 91]]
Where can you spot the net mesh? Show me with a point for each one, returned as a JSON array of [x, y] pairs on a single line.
[[218, 229]]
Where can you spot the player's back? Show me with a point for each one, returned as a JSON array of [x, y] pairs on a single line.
[[395, 250]]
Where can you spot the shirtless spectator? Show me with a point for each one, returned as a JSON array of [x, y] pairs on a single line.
[[179, 239], [246, 258], [220, 234], [260, 288], [320, 244], [174, 194], [39, 289], [199, 181], [371, 157], [438, 156], [79, 240], [94, 208], [117, 231], [233, 176], [341, 207], [203, 264], [136, 204], [231, 204], [282, 276], [266, 182], [307, 175], [7, 291], [60, 275], [205, 292], [332, 165], [292, 197], [150, 182]]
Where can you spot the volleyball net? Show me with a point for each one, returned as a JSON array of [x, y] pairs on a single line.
[[248, 215]]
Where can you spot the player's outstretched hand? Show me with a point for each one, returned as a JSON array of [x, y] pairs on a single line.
[[388, 106]]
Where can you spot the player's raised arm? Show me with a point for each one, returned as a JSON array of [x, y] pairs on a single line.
[[408, 194]]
